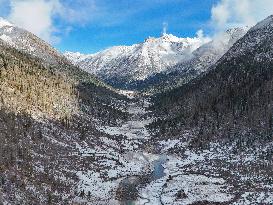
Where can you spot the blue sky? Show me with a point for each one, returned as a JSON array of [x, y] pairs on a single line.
[[126, 23], [89, 26]]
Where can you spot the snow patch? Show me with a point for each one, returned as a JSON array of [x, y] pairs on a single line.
[[4, 23]]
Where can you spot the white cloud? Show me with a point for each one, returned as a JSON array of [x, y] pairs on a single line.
[[38, 16], [203, 38], [220, 13], [230, 13], [35, 16], [165, 27], [80, 11]]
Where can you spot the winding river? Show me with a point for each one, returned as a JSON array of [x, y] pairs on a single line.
[[128, 186]]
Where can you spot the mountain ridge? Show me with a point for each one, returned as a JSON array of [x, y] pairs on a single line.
[[27, 42], [136, 67], [145, 59]]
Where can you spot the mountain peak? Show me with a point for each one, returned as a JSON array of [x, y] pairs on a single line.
[[4, 22], [26, 41], [150, 39], [164, 37], [199, 39], [170, 38]]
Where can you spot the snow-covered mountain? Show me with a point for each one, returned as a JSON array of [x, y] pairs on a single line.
[[27, 42], [139, 65], [201, 60], [123, 65], [211, 52]]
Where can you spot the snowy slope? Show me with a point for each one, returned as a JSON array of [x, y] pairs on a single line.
[[127, 64], [211, 52], [25, 41], [4, 22]]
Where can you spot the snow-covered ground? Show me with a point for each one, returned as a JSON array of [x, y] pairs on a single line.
[[133, 129], [185, 176], [133, 163], [116, 165]]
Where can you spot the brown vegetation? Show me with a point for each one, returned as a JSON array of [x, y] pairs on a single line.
[[27, 87]]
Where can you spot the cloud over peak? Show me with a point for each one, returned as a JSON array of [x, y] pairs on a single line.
[[230, 13]]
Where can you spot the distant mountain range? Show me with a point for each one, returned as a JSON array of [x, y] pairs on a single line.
[[157, 62]]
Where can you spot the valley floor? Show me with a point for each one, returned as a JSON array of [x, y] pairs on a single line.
[[174, 174], [126, 164]]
